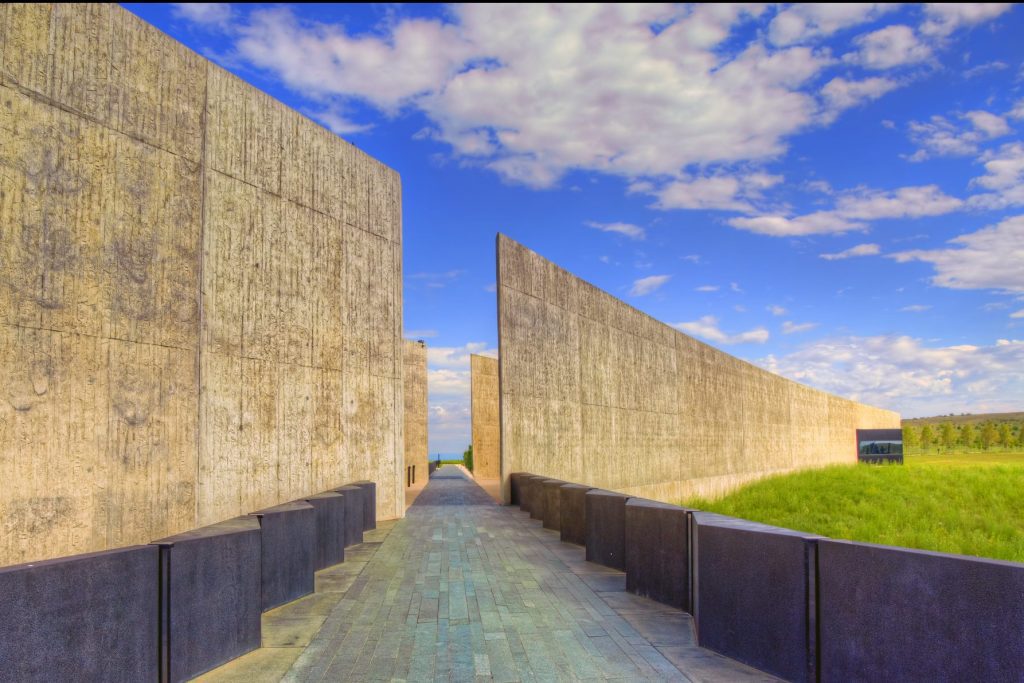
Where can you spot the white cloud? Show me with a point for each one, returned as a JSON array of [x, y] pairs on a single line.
[[457, 356], [852, 209], [777, 310], [840, 94], [1018, 314], [859, 250], [817, 223], [1017, 112], [721, 192], [1004, 176], [944, 18], [905, 374], [707, 288], [916, 308], [322, 59], [889, 47], [789, 327], [646, 285], [628, 229], [940, 137], [204, 13], [707, 327], [801, 23], [990, 258]]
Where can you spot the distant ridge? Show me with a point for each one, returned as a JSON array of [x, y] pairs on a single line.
[[966, 419]]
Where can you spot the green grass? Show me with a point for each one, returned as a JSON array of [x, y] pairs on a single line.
[[968, 505]]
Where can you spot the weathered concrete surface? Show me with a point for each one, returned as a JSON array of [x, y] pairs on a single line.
[[486, 427], [596, 392], [200, 300], [898, 614], [415, 382], [463, 589]]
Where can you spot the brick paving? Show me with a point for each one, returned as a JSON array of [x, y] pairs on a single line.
[[464, 589]]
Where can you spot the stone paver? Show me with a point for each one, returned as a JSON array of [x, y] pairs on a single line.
[[464, 589]]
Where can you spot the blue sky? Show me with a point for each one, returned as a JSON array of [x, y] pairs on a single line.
[[833, 192]]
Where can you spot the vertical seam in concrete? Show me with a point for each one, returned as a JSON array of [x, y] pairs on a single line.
[[501, 402], [200, 294]]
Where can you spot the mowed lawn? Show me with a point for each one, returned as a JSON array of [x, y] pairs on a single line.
[[967, 504]]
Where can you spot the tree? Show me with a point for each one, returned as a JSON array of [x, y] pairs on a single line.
[[947, 435], [967, 436], [467, 458], [988, 435], [927, 436], [910, 439], [1005, 435]]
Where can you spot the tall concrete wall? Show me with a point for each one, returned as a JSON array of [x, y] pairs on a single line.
[[486, 427], [200, 292], [596, 392], [415, 382]]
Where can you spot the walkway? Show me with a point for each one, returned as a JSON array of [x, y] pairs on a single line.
[[463, 589]]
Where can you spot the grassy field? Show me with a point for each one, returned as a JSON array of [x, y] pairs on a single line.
[[967, 504]]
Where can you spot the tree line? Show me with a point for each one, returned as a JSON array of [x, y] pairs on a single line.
[[947, 436]]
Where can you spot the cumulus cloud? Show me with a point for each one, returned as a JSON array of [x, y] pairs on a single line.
[[990, 258], [628, 229], [801, 23], [646, 285], [721, 192], [939, 137], [840, 94], [1004, 178], [790, 327], [204, 13], [944, 18], [448, 387], [1018, 314], [456, 357], [910, 376], [852, 209], [859, 250], [889, 47], [707, 328]]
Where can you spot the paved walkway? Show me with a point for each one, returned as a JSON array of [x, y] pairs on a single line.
[[463, 589]]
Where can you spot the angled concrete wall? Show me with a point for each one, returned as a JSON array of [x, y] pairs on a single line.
[[200, 292], [596, 392], [486, 427], [415, 382]]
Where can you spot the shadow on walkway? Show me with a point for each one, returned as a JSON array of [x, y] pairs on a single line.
[[450, 486]]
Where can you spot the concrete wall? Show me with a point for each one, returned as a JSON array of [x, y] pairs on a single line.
[[200, 292], [415, 382], [596, 392], [486, 428]]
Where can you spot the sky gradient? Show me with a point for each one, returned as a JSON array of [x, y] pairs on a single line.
[[832, 192]]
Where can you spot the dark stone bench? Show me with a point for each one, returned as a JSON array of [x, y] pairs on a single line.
[[92, 617], [289, 552], [353, 513], [515, 490], [896, 614], [550, 491], [528, 491], [369, 503], [754, 592], [657, 552], [572, 513], [606, 528], [211, 597], [330, 528]]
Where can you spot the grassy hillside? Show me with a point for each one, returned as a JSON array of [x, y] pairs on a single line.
[[955, 505]]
